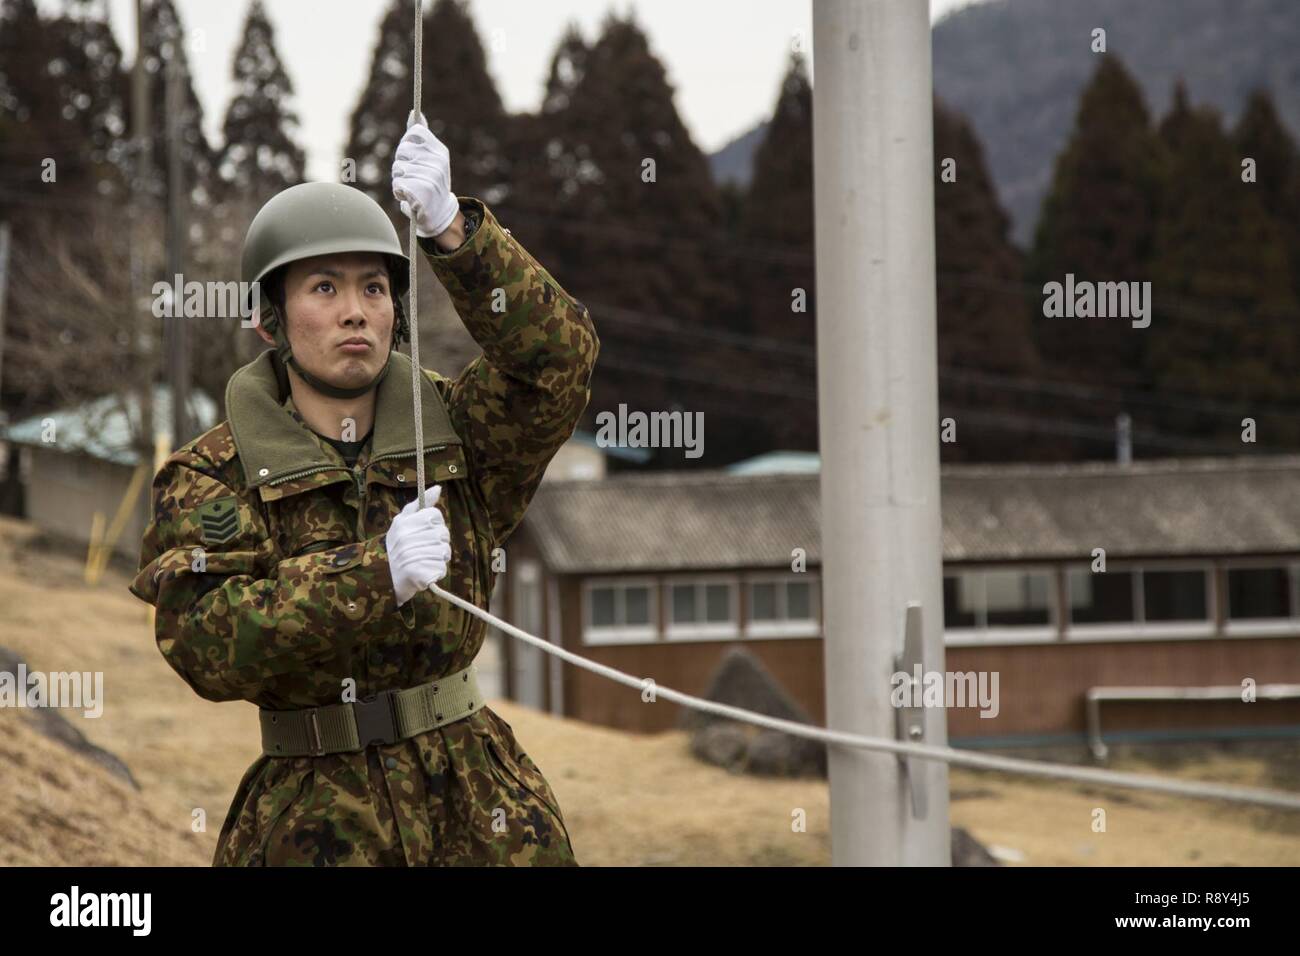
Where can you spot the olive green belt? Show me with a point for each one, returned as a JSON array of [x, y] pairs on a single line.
[[383, 718]]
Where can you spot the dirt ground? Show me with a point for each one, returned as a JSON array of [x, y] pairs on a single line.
[[627, 799]]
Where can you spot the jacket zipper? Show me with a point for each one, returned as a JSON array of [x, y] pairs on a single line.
[[281, 479], [406, 454], [360, 476]]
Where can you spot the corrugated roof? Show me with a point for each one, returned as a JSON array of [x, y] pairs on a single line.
[[103, 427], [696, 520]]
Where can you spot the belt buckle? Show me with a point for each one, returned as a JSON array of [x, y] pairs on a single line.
[[376, 719], [317, 748]]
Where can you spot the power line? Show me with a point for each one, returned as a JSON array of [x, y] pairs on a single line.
[[950, 373]]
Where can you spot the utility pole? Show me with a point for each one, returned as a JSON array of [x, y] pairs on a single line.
[[141, 318], [4, 288], [877, 389], [178, 364], [10, 483]]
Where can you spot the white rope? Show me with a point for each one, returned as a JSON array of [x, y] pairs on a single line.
[[1193, 788], [1185, 788], [413, 249]]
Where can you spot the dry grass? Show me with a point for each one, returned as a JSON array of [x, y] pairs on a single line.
[[627, 799]]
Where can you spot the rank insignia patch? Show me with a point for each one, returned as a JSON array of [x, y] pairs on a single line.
[[219, 519]]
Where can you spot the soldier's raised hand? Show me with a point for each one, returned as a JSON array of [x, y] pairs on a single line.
[[419, 546], [422, 181]]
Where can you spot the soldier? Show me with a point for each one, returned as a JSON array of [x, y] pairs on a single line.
[[289, 565]]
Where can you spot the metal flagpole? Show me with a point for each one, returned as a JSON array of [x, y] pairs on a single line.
[[878, 420]]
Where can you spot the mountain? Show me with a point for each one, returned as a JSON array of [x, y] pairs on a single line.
[[1016, 69], [734, 162]]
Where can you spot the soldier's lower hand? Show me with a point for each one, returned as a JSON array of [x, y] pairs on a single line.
[[419, 546], [422, 181]]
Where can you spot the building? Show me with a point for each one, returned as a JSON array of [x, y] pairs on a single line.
[[658, 574], [79, 462]]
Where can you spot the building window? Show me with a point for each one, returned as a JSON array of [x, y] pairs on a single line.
[[619, 612], [783, 606], [1174, 595], [701, 609], [1259, 593], [1101, 598], [992, 599], [1108, 600]]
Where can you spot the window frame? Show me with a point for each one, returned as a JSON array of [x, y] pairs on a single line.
[[702, 630], [783, 626], [1262, 626], [620, 633], [1140, 629], [1005, 633]]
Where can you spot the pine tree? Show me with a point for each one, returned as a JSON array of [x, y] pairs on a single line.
[[545, 164], [624, 123], [983, 323], [60, 91], [568, 66], [164, 37], [1261, 137], [777, 214], [634, 226], [96, 90], [1224, 310], [459, 100], [259, 156], [781, 188], [1098, 223], [774, 263]]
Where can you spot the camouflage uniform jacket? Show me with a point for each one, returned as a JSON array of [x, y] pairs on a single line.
[[284, 604]]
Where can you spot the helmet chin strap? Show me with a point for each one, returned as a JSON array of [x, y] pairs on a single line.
[[285, 355]]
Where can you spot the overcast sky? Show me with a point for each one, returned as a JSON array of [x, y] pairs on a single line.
[[724, 58]]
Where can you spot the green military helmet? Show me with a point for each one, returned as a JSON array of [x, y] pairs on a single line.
[[316, 219]]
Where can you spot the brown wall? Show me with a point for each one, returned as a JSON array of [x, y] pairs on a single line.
[[1041, 687]]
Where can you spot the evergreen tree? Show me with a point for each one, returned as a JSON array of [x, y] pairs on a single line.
[[568, 66], [96, 90], [983, 324], [1261, 137], [634, 226], [60, 91], [1224, 310], [1098, 223], [259, 156], [778, 214], [459, 100], [164, 37], [781, 189], [775, 265]]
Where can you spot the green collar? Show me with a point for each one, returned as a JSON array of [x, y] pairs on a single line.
[[272, 444]]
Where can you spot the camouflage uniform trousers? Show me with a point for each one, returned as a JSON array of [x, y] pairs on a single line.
[[465, 794]]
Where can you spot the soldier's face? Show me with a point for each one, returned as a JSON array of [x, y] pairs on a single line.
[[340, 316]]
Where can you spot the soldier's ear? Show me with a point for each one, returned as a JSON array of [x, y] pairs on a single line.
[[265, 336]]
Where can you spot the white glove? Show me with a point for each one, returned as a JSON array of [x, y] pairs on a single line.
[[419, 546], [422, 181]]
